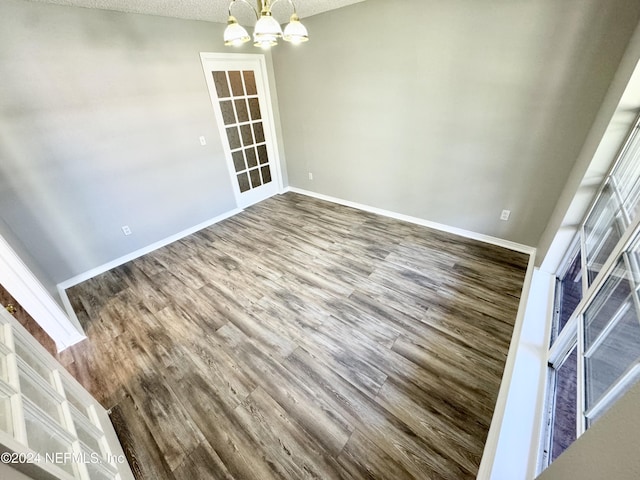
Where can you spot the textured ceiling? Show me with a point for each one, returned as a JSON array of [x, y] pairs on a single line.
[[209, 10]]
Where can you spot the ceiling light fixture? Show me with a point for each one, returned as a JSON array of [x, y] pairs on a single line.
[[267, 30]]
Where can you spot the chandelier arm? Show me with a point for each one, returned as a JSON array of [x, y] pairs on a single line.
[[246, 2], [290, 2]]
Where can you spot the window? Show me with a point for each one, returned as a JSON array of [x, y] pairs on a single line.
[[594, 354], [568, 292]]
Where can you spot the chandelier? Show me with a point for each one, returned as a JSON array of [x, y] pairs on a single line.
[[267, 30]]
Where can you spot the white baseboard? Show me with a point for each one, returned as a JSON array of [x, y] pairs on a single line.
[[62, 286], [518, 247]]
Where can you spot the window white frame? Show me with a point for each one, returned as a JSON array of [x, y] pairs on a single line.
[[574, 329]]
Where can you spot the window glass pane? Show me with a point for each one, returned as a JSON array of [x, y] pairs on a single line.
[[615, 354], [612, 298], [565, 406], [627, 176], [45, 441], [568, 294], [602, 232]]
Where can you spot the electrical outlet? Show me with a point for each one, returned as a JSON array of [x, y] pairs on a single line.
[[310, 176], [126, 230], [505, 215], [203, 141]]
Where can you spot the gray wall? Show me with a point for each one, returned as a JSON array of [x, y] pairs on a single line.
[[100, 115], [450, 111], [32, 264], [608, 450]]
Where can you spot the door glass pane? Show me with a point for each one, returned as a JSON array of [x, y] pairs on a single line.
[[236, 83], [80, 406], [238, 161], [266, 174], [252, 159], [88, 436], [611, 300], [37, 395], [255, 178], [4, 373], [254, 108], [565, 406], [568, 294], [243, 182], [46, 442], [247, 136], [228, 115], [250, 82], [602, 231], [6, 423], [97, 474], [234, 138], [242, 110], [258, 132], [222, 87], [25, 353], [262, 154]]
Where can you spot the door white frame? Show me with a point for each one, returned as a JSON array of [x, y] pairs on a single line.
[[23, 285], [212, 61]]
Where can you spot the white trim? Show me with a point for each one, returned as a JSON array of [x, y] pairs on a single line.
[[518, 247], [537, 450], [491, 445], [23, 285], [62, 286]]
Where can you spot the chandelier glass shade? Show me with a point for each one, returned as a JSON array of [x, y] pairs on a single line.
[[267, 30]]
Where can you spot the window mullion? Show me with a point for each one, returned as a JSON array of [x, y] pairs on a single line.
[[626, 216], [580, 383], [583, 262]]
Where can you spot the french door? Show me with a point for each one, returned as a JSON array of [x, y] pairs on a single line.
[[239, 93], [50, 427]]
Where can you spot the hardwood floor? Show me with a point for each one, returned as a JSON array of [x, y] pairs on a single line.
[[302, 339]]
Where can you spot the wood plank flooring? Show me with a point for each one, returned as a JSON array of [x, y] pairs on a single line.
[[302, 339]]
